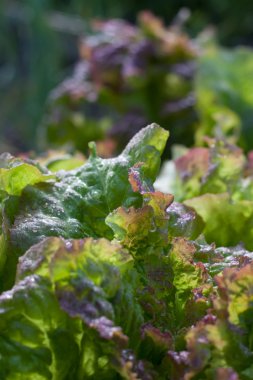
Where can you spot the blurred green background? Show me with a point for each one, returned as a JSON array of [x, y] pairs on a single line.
[[39, 39]]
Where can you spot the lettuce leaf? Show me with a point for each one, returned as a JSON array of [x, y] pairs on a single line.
[[38, 340], [227, 222], [16, 174]]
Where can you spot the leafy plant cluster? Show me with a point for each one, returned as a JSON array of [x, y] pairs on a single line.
[[105, 277], [130, 76], [127, 77]]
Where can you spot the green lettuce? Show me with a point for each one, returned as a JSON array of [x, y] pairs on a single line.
[[77, 202], [110, 278]]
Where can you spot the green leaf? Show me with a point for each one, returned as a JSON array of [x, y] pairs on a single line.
[[16, 174], [187, 276], [14, 180], [60, 160], [216, 260], [37, 340], [184, 221], [227, 222]]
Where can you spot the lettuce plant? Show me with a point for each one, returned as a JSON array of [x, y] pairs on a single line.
[[127, 76], [217, 182], [104, 277]]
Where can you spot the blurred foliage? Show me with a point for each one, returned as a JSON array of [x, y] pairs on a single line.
[[223, 88], [39, 38], [127, 77]]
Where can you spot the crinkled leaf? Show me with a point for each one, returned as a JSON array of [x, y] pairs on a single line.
[[187, 278], [101, 256], [100, 260], [146, 227], [216, 260], [131, 226], [38, 340]]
